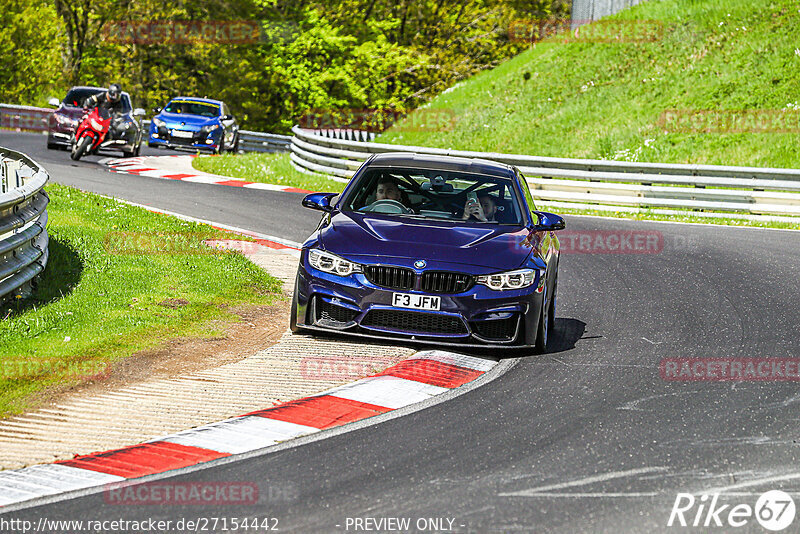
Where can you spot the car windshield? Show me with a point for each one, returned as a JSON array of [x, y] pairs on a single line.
[[76, 96], [436, 194], [186, 107]]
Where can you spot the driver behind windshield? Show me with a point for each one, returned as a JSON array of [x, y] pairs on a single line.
[[484, 210], [387, 189]]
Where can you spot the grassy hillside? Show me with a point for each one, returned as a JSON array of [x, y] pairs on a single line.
[[604, 100]]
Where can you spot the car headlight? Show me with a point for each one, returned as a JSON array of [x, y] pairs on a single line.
[[331, 263], [210, 128], [65, 121], [159, 123], [518, 279]]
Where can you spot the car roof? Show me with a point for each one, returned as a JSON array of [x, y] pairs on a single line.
[[444, 163], [93, 88], [197, 99]]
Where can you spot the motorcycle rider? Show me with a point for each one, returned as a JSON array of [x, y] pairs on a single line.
[[110, 99]]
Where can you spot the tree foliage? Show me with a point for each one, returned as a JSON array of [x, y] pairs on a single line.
[[310, 56]]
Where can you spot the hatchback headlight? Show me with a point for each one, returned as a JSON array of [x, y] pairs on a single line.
[[210, 128], [331, 263], [518, 279], [159, 123], [65, 121]]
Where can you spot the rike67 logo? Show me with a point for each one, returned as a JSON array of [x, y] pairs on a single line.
[[774, 511]]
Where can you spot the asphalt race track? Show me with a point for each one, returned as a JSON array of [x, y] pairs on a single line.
[[587, 438], [260, 211]]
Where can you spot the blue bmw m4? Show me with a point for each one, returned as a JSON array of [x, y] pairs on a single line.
[[433, 249]]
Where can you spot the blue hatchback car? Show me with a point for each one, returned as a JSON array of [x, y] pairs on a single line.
[[188, 123], [432, 249]]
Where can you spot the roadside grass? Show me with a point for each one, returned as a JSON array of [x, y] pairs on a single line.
[[119, 280], [265, 168], [605, 100]]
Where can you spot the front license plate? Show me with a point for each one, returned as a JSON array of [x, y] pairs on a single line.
[[182, 133], [416, 302]]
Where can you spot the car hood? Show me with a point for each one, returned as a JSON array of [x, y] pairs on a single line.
[[70, 111], [365, 238], [189, 120]]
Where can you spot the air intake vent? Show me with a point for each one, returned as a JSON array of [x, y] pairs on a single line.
[[415, 322]]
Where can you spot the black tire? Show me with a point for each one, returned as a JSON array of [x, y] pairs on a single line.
[[293, 313], [552, 310], [52, 146], [235, 148], [128, 153], [81, 147], [138, 149], [543, 330]]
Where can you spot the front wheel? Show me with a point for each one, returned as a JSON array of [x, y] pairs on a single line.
[[293, 314], [235, 147], [80, 147], [543, 330]]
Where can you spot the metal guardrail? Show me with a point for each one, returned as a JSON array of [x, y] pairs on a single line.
[[24, 117], [702, 189], [263, 142], [23, 221]]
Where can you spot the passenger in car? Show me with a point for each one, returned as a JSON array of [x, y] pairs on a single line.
[[483, 210]]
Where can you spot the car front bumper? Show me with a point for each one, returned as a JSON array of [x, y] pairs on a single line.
[[162, 137], [478, 317]]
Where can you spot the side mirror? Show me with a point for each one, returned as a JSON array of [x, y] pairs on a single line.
[[227, 117], [319, 201], [548, 222], [138, 112], [156, 110], [54, 102]]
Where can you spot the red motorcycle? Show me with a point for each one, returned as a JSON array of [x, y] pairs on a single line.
[[91, 132]]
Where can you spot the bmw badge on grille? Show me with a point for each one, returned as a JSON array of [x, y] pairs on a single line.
[[420, 264]]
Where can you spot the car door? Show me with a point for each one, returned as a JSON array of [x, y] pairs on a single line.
[[548, 246]]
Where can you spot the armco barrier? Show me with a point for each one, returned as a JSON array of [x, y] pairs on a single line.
[[23, 218], [263, 142], [706, 190], [24, 117]]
